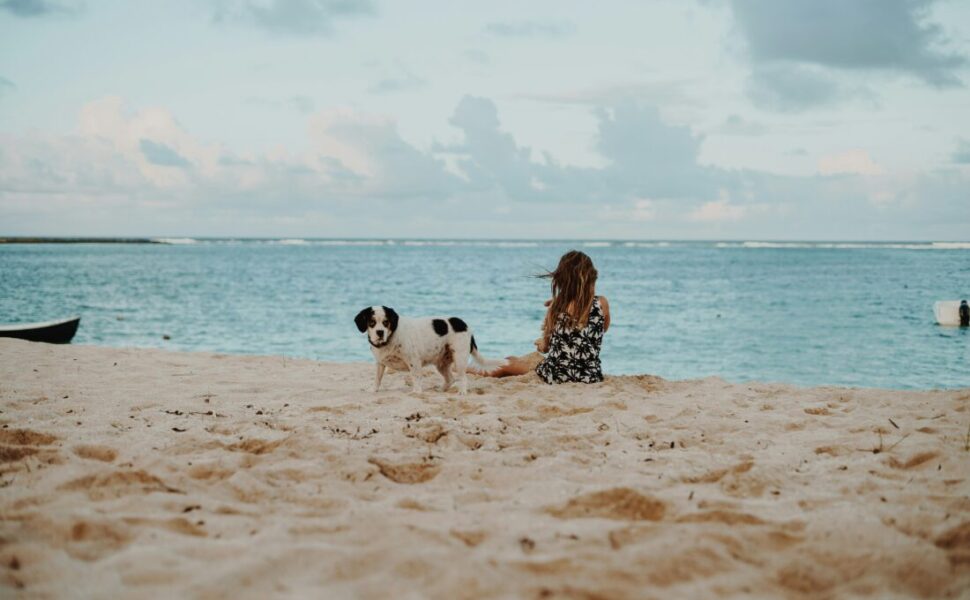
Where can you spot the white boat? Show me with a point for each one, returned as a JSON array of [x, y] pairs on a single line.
[[947, 312]]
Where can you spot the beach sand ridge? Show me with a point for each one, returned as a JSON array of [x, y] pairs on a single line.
[[144, 473]]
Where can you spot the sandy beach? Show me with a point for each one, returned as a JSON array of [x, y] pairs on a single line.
[[144, 473]]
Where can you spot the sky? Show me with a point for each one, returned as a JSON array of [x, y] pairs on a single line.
[[679, 119]]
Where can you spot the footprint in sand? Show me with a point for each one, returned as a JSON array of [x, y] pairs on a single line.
[[718, 474], [16, 444], [255, 446], [429, 432], [914, 461], [739, 481], [26, 437], [552, 411], [210, 472], [102, 453], [726, 517], [175, 525], [956, 542], [409, 473], [469, 538], [117, 484], [833, 450], [412, 504], [621, 504], [91, 540], [806, 578], [13, 453]]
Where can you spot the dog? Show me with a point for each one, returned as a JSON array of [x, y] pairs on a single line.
[[404, 344]]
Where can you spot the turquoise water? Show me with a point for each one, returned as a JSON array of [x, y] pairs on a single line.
[[809, 314]]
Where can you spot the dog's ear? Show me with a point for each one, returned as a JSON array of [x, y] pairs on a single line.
[[362, 318], [392, 317]]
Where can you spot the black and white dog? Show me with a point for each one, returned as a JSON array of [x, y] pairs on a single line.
[[405, 344]]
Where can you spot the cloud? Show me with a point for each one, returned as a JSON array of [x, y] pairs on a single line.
[[794, 88], [531, 29], [407, 81], [292, 17], [737, 125], [476, 55], [138, 172], [162, 155], [645, 159], [489, 157], [850, 162], [717, 211], [892, 35], [301, 104], [961, 155], [648, 157], [144, 165], [370, 148], [647, 92], [805, 55], [39, 8], [644, 210]]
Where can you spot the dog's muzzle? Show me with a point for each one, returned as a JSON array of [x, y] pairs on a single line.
[[382, 342]]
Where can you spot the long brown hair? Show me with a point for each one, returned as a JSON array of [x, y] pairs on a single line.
[[573, 286]]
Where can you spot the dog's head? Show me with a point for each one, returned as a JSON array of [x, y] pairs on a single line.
[[380, 323]]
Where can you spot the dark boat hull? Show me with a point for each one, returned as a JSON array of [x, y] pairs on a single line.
[[54, 332]]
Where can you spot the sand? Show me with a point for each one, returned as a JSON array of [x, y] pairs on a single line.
[[144, 473]]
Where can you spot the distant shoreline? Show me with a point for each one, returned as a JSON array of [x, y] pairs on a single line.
[[27, 239], [75, 240]]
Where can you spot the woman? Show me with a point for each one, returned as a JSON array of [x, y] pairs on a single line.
[[572, 331]]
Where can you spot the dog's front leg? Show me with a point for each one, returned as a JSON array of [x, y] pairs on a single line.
[[415, 369], [379, 376]]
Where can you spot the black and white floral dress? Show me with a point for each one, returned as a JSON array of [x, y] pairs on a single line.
[[574, 354]]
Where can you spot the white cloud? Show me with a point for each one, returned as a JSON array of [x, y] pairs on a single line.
[[292, 17], [644, 210], [330, 136], [737, 125], [850, 162], [717, 211], [139, 172], [805, 55], [145, 162], [531, 29]]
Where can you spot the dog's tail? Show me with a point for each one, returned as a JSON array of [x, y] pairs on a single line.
[[481, 360]]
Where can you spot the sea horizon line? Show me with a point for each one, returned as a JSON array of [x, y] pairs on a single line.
[[512, 242]]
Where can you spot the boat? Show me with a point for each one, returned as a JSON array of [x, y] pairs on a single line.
[[51, 332], [948, 312]]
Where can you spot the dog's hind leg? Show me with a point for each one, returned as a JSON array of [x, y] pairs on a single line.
[[445, 370], [379, 376], [460, 353]]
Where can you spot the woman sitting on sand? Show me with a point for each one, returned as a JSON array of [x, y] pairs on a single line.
[[572, 331]]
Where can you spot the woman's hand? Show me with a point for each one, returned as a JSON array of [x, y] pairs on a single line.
[[548, 303], [541, 345]]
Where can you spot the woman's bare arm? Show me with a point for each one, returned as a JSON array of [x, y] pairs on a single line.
[[540, 342], [605, 304]]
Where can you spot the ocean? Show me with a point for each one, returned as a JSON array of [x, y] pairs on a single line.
[[852, 314]]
